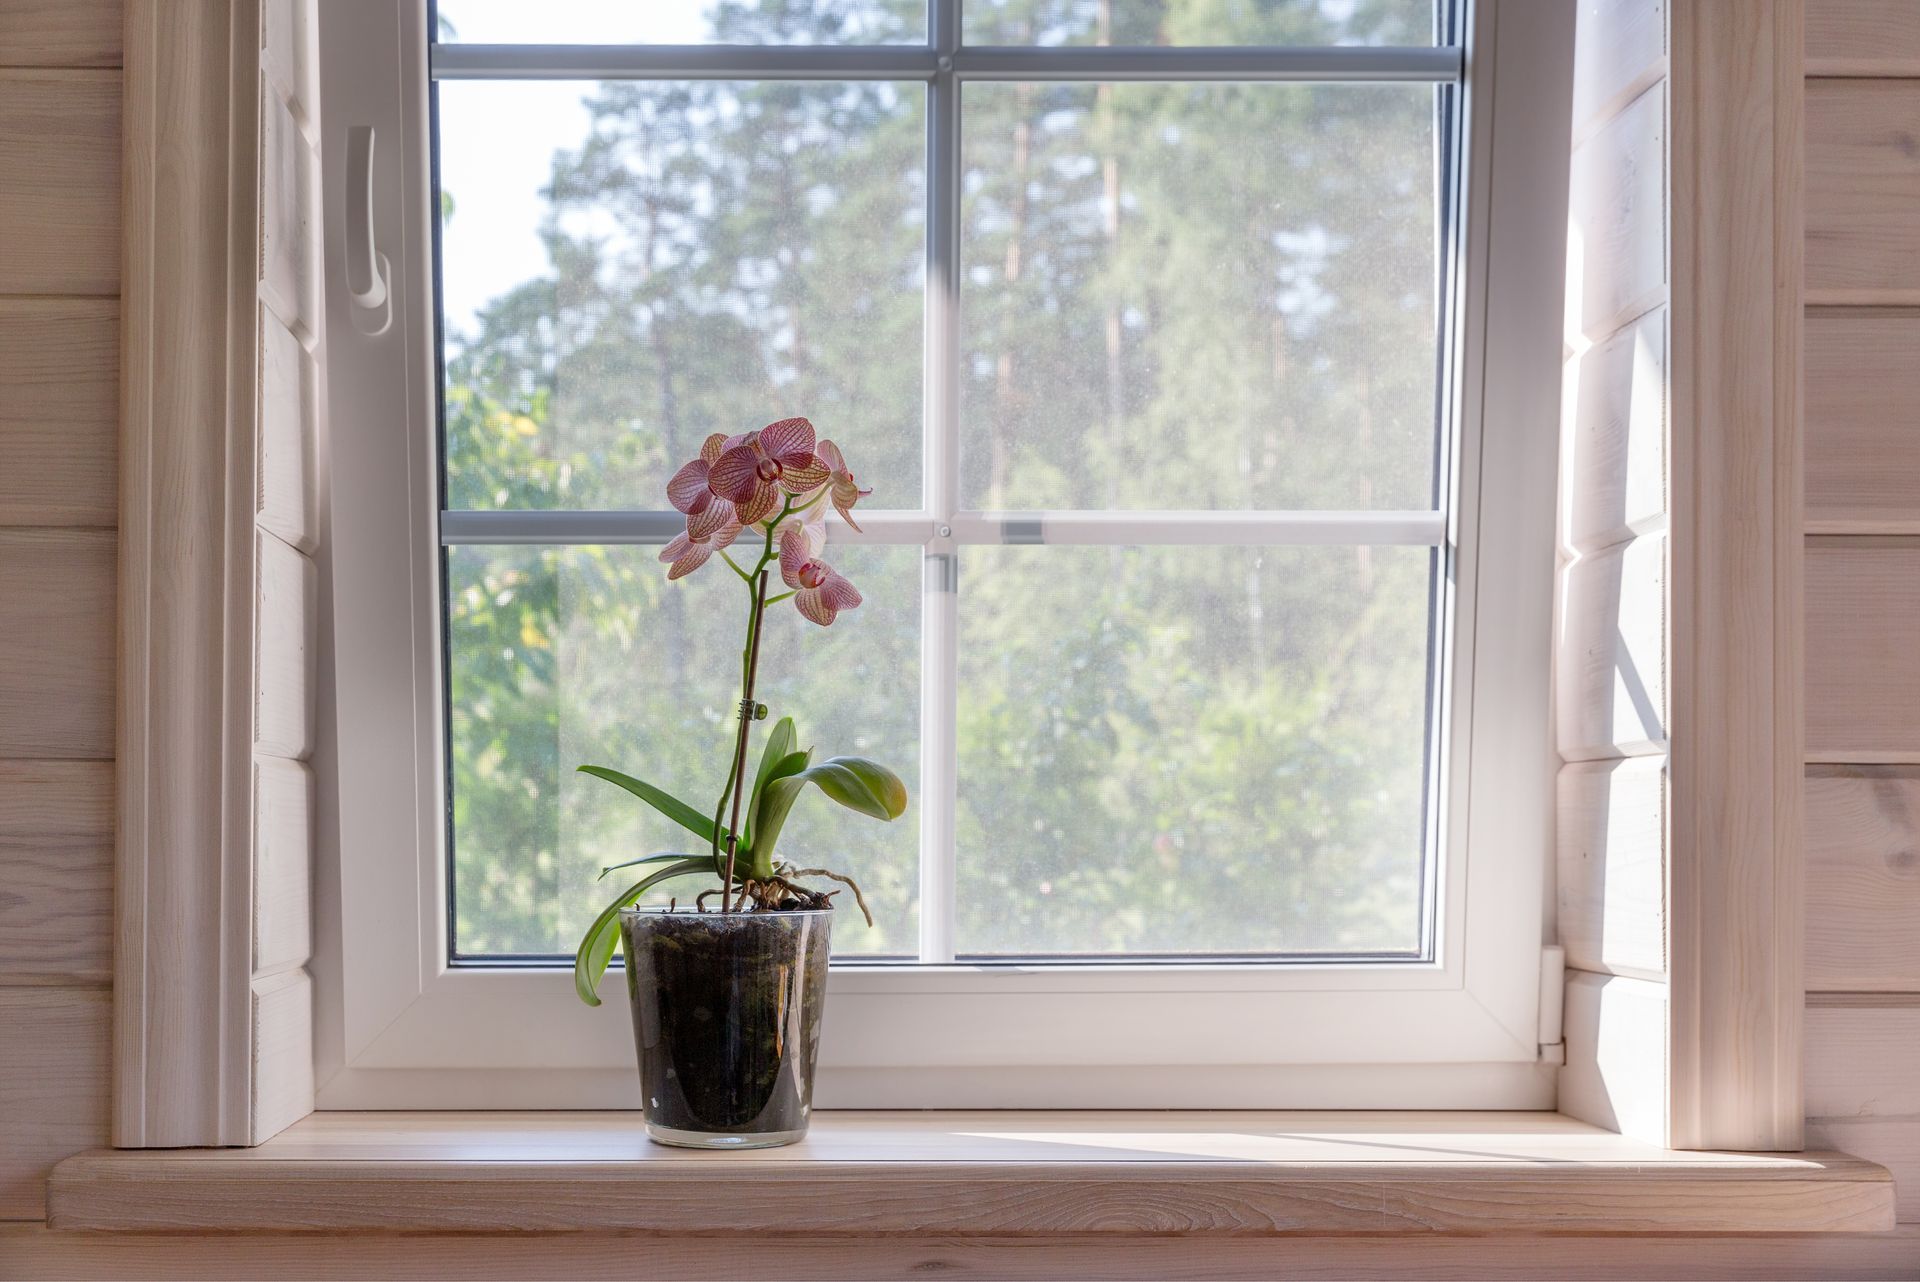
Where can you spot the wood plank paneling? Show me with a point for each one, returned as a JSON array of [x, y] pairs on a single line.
[[35, 1251], [53, 1087], [59, 182], [59, 411], [283, 659], [1863, 676], [1863, 878], [288, 189], [56, 871], [57, 643], [282, 839], [1863, 38], [1863, 417], [1863, 1058], [1617, 213], [1616, 1071], [285, 499], [60, 33], [1612, 866], [282, 1052], [1863, 183], [1616, 464], [1891, 1142], [1619, 49], [1612, 678]]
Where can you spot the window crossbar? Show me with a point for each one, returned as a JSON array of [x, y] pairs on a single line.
[[1337, 63], [1095, 529]]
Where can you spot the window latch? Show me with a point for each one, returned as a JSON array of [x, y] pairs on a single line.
[[368, 271]]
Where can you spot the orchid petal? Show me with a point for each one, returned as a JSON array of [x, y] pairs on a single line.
[[838, 593], [759, 504], [703, 525], [687, 489], [794, 553], [695, 558], [790, 441], [712, 448], [812, 604], [799, 478], [830, 455], [736, 475], [676, 548]]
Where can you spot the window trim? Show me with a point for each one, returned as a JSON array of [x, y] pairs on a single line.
[[1468, 1022]]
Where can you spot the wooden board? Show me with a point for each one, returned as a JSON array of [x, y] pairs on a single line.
[[56, 871], [1616, 451], [56, 643], [282, 848], [283, 660], [60, 33], [1619, 50], [1863, 1058], [289, 187], [1863, 878], [282, 1052], [59, 410], [1616, 1070], [284, 490], [1612, 866], [1863, 38], [1611, 666], [53, 1087], [35, 1251], [1863, 420], [1893, 1143], [1202, 1174], [60, 182], [1862, 680], [1863, 180], [1618, 218]]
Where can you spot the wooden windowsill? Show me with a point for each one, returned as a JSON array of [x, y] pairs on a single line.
[[1008, 1173]]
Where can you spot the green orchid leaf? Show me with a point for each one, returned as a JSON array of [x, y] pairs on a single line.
[[770, 816], [597, 945], [862, 785], [663, 857], [665, 802], [780, 744]]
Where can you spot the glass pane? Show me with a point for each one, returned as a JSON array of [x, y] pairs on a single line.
[[1199, 296], [1191, 751], [628, 267], [1197, 22], [559, 657], [684, 22]]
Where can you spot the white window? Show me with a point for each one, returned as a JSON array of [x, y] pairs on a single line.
[[1206, 572]]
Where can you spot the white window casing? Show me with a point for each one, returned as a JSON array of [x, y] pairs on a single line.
[[400, 1027]]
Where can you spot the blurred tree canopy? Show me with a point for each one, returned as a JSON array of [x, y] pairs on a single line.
[[1175, 296]]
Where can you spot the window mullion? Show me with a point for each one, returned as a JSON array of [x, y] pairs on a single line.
[[939, 673]]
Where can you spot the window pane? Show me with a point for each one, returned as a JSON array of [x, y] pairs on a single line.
[[684, 22], [1191, 751], [628, 267], [560, 657], [1197, 22], [1198, 296]]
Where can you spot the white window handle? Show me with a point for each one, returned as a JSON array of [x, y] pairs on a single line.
[[367, 269]]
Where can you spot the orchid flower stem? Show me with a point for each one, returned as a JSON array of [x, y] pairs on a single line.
[[749, 669], [735, 566]]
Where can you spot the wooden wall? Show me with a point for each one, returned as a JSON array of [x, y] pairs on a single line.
[[60, 87], [1863, 583], [1611, 702]]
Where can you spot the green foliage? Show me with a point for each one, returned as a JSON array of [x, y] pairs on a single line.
[[1179, 749], [666, 803], [603, 936]]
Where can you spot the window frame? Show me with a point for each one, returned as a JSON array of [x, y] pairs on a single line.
[[400, 1027]]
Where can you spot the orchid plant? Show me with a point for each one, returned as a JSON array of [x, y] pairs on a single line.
[[772, 486]]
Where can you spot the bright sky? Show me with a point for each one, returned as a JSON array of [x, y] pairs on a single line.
[[497, 139]]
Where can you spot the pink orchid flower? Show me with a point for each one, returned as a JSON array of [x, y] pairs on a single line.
[[714, 527], [842, 488], [820, 591], [689, 489], [753, 469]]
